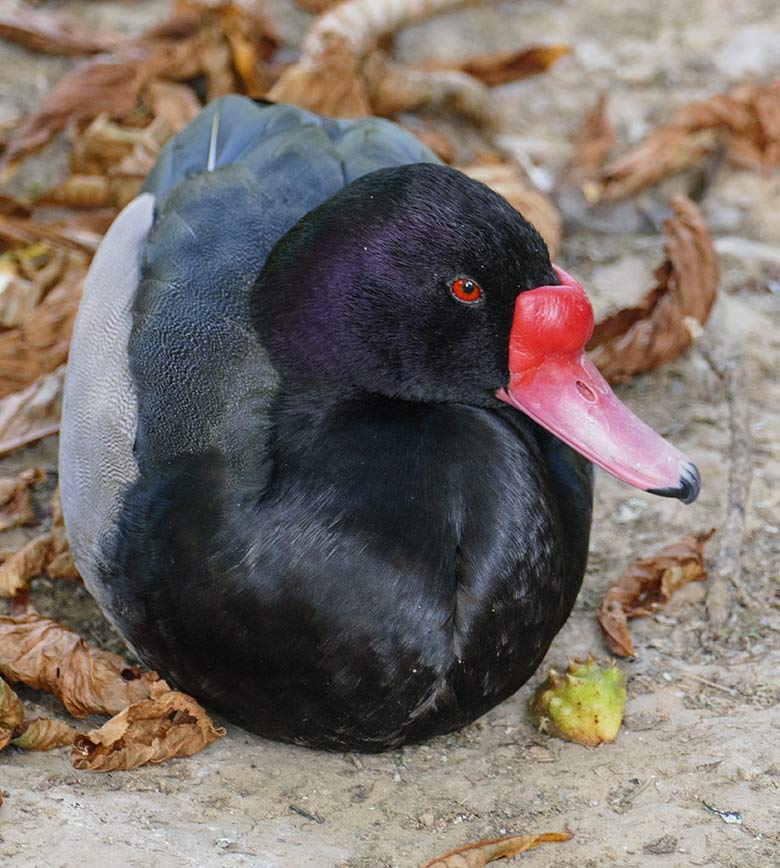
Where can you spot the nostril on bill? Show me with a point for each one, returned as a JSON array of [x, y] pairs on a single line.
[[585, 391]]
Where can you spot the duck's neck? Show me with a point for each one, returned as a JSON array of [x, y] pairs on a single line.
[[370, 464]]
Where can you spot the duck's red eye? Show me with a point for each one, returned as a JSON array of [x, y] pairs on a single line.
[[466, 290]]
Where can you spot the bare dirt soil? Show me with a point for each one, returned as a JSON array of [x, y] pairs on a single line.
[[702, 722]]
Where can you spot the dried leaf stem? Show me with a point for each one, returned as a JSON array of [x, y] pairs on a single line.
[[484, 852], [726, 580]]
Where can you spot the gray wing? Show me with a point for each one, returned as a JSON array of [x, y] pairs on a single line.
[[203, 380], [278, 139], [164, 360], [99, 410]]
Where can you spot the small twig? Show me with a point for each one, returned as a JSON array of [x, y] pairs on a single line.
[[686, 673], [631, 796], [727, 578], [309, 815], [713, 684]]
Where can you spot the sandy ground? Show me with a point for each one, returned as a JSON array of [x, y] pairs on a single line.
[[702, 722]]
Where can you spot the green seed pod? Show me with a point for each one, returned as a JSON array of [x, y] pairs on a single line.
[[585, 704]]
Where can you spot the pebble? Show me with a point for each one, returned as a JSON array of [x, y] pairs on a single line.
[[426, 820], [751, 50]]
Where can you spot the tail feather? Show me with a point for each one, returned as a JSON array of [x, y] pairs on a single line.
[[211, 161]]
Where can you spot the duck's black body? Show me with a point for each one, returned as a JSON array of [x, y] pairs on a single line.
[[322, 559]]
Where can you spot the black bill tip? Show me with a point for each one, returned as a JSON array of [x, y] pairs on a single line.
[[688, 489]]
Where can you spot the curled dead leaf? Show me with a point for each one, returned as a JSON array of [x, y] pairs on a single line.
[[317, 6], [105, 142], [332, 85], [168, 724], [112, 83], [32, 413], [52, 34], [47, 656], [504, 66], [392, 88], [26, 275], [47, 554], [15, 500], [484, 852], [40, 341], [60, 564], [28, 562], [436, 140], [746, 118], [647, 584], [330, 76], [594, 140], [76, 232], [173, 103], [87, 191], [509, 180], [11, 713], [252, 42], [661, 326], [42, 733]]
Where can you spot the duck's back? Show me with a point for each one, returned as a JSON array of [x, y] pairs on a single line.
[[164, 359], [194, 353]]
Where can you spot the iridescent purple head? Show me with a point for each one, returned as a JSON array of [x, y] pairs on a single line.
[[422, 284]]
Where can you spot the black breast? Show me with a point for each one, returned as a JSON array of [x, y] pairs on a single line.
[[407, 572]]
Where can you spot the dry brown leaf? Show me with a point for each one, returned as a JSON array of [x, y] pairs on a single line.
[[112, 83], [746, 118], [15, 501], [26, 275], [317, 6], [47, 656], [168, 724], [333, 87], [594, 140], [47, 554], [39, 343], [252, 42], [60, 564], [11, 713], [72, 233], [647, 584], [484, 852], [104, 142], [32, 413], [663, 324], [52, 34], [87, 191], [141, 159], [392, 88], [174, 103], [225, 43], [108, 160], [42, 733], [329, 76], [502, 67], [509, 180], [28, 562], [436, 140]]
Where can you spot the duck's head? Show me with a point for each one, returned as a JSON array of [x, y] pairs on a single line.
[[422, 284]]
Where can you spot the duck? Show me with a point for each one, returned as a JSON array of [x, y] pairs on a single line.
[[328, 431]]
